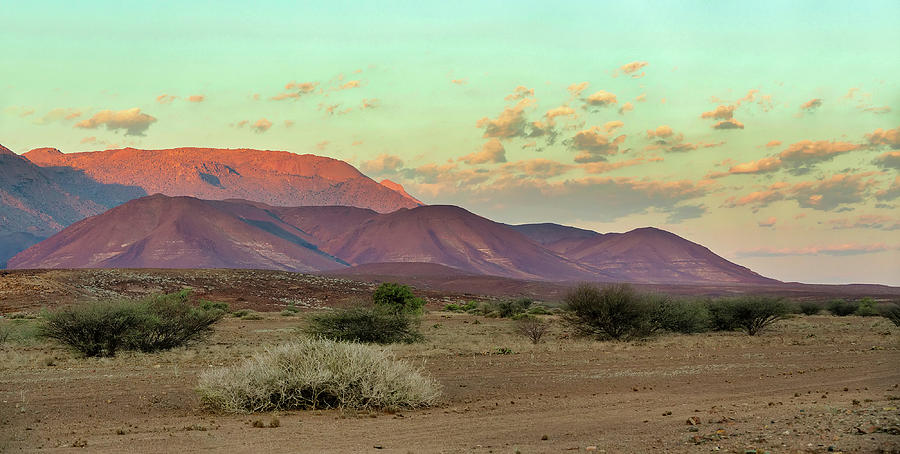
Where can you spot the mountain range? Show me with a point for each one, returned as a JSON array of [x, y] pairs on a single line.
[[240, 208], [45, 190]]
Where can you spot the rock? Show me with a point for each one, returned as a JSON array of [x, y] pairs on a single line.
[[693, 421]]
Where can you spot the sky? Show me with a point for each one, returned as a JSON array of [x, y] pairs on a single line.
[[766, 131]]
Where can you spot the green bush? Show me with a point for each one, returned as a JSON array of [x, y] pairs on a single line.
[[722, 314], [841, 308], [103, 328], [891, 312], [613, 312], [809, 308], [397, 298], [866, 308], [686, 317], [4, 334], [753, 313], [241, 313], [317, 374], [377, 325], [470, 306], [214, 305]]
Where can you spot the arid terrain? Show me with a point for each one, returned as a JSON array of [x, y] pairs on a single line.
[[810, 384]]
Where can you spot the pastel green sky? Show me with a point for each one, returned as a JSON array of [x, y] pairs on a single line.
[[425, 95]]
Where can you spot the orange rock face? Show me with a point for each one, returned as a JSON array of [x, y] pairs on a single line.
[[272, 177]]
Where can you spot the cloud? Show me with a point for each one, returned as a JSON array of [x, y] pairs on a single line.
[[322, 145], [350, 84], [491, 152], [600, 99], [627, 107], [664, 138], [891, 193], [660, 131], [888, 137], [720, 113], [90, 139], [58, 114], [520, 92], [875, 110], [561, 111], [369, 103], [889, 160], [641, 98], [288, 123], [261, 125], [801, 156], [770, 222], [196, 98], [866, 221], [603, 167], [763, 165], [576, 89], [758, 199], [133, 121], [728, 124], [537, 168], [833, 192], [302, 87], [594, 145], [682, 213], [510, 123], [773, 143], [383, 164], [632, 68], [812, 105], [611, 126], [19, 111], [165, 99], [462, 81], [837, 250], [295, 90]]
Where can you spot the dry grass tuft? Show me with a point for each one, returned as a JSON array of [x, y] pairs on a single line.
[[314, 374]]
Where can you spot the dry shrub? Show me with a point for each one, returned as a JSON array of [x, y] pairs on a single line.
[[533, 328], [316, 374]]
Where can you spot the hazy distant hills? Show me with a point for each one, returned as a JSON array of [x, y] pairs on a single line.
[[181, 232]]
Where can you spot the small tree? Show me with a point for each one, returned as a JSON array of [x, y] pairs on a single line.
[[841, 308], [397, 298], [613, 312], [892, 313], [809, 307], [753, 314], [532, 327]]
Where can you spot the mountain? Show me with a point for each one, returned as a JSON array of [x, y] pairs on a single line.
[[451, 236], [36, 202], [647, 255], [183, 232], [277, 178], [179, 232]]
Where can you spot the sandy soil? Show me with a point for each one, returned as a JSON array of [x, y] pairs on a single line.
[[810, 384]]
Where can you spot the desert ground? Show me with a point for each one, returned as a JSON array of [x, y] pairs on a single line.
[[809, 384]]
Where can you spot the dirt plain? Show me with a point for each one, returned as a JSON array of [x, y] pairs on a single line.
[[809, 384]]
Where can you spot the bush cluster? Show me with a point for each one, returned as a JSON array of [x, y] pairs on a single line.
[[513, 308], [619, 312], [317, 374], [393, 317], [375, 325], [102, 328], [809, 308]]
